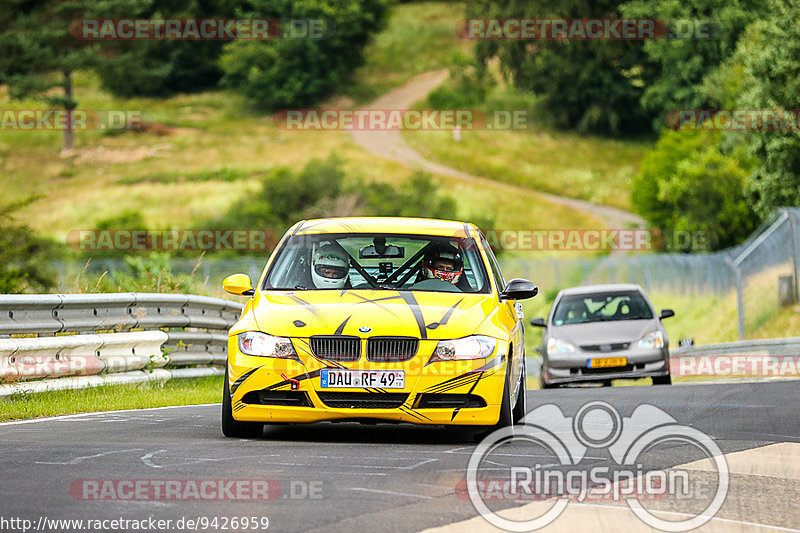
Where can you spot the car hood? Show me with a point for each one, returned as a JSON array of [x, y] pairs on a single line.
[[610, 332], [365, 313]]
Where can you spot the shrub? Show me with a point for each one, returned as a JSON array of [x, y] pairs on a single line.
[[24, 256], [281, 73], [687, 183]]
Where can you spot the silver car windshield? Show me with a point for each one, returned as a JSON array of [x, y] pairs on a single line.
[[374, 262], [601, 307]]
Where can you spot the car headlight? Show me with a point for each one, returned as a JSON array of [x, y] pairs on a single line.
[[472, 347], [263, 345], [652, 341], [559, 347]]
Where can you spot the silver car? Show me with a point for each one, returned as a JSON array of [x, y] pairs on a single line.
[[603, 332]]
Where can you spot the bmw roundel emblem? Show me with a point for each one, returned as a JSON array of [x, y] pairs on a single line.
[[364, 329]]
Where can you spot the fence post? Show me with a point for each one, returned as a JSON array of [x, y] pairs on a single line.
[[795, 239], [556, 272], [739, 296]]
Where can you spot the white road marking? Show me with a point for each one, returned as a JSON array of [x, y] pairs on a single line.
[[85, 457], [146, 458], [393, 493], [61, 418], [412, 467]]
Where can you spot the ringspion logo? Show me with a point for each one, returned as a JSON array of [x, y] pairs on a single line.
[[543, 460]]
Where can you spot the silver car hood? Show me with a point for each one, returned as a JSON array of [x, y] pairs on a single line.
[[609, 332]]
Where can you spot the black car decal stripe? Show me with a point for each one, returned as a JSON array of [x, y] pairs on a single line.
[[498, 360], [418, 416], [454, 383], [240, 380], [408, 297], [446, 317], [298, 377], [341, 326], [310, 307], [466, 398], [375, 301]]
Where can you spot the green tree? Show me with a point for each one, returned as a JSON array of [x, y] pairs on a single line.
[[24, 256], [163, 67], [767, 64], [593, 85], [38, 55], [684, 63], [686, 183], [282, 73]]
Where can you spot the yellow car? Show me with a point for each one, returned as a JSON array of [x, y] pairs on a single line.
[[377, 319]]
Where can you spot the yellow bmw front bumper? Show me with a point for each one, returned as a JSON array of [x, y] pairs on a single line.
[[265, 389]]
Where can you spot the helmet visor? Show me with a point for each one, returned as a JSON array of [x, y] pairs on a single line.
[[331, 271]]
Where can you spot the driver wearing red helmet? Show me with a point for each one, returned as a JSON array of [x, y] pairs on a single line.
[[444, 262]]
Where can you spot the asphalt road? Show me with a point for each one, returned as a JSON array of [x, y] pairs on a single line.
[[360, 478]]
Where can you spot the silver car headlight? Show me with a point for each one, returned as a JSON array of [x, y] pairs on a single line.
[[472, 347], [559, 347], [652, 341], [263, 345]]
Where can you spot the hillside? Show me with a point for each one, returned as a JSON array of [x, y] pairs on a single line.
[[210, 149]]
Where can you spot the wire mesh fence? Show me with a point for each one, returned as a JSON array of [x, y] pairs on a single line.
[[762, 271]]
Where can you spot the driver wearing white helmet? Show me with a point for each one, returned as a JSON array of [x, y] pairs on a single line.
[[329, 268]]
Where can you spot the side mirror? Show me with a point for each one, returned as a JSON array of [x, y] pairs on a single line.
[[238, 284], [519, 289], [538, 322], [666, 313]]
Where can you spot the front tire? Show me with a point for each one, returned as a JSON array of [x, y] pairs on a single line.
[[232, 427], [545, 385], [521, 407], [506, 413], [662, 380]]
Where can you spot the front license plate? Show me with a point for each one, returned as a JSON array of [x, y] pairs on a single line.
[[360, 379], [608, 362]]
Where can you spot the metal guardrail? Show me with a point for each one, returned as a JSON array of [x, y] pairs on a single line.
[[58, 341], [783, 346]]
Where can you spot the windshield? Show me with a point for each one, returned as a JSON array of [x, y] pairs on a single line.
[[581, 308], [378, 261]]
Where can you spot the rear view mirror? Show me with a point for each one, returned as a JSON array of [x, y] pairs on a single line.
[[389, 251], [538, 322], [666, 313]]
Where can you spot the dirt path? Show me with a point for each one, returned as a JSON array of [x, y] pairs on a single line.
[[391, 145]]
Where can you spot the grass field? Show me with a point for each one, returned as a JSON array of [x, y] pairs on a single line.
[[589, 168], [110, 398]]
